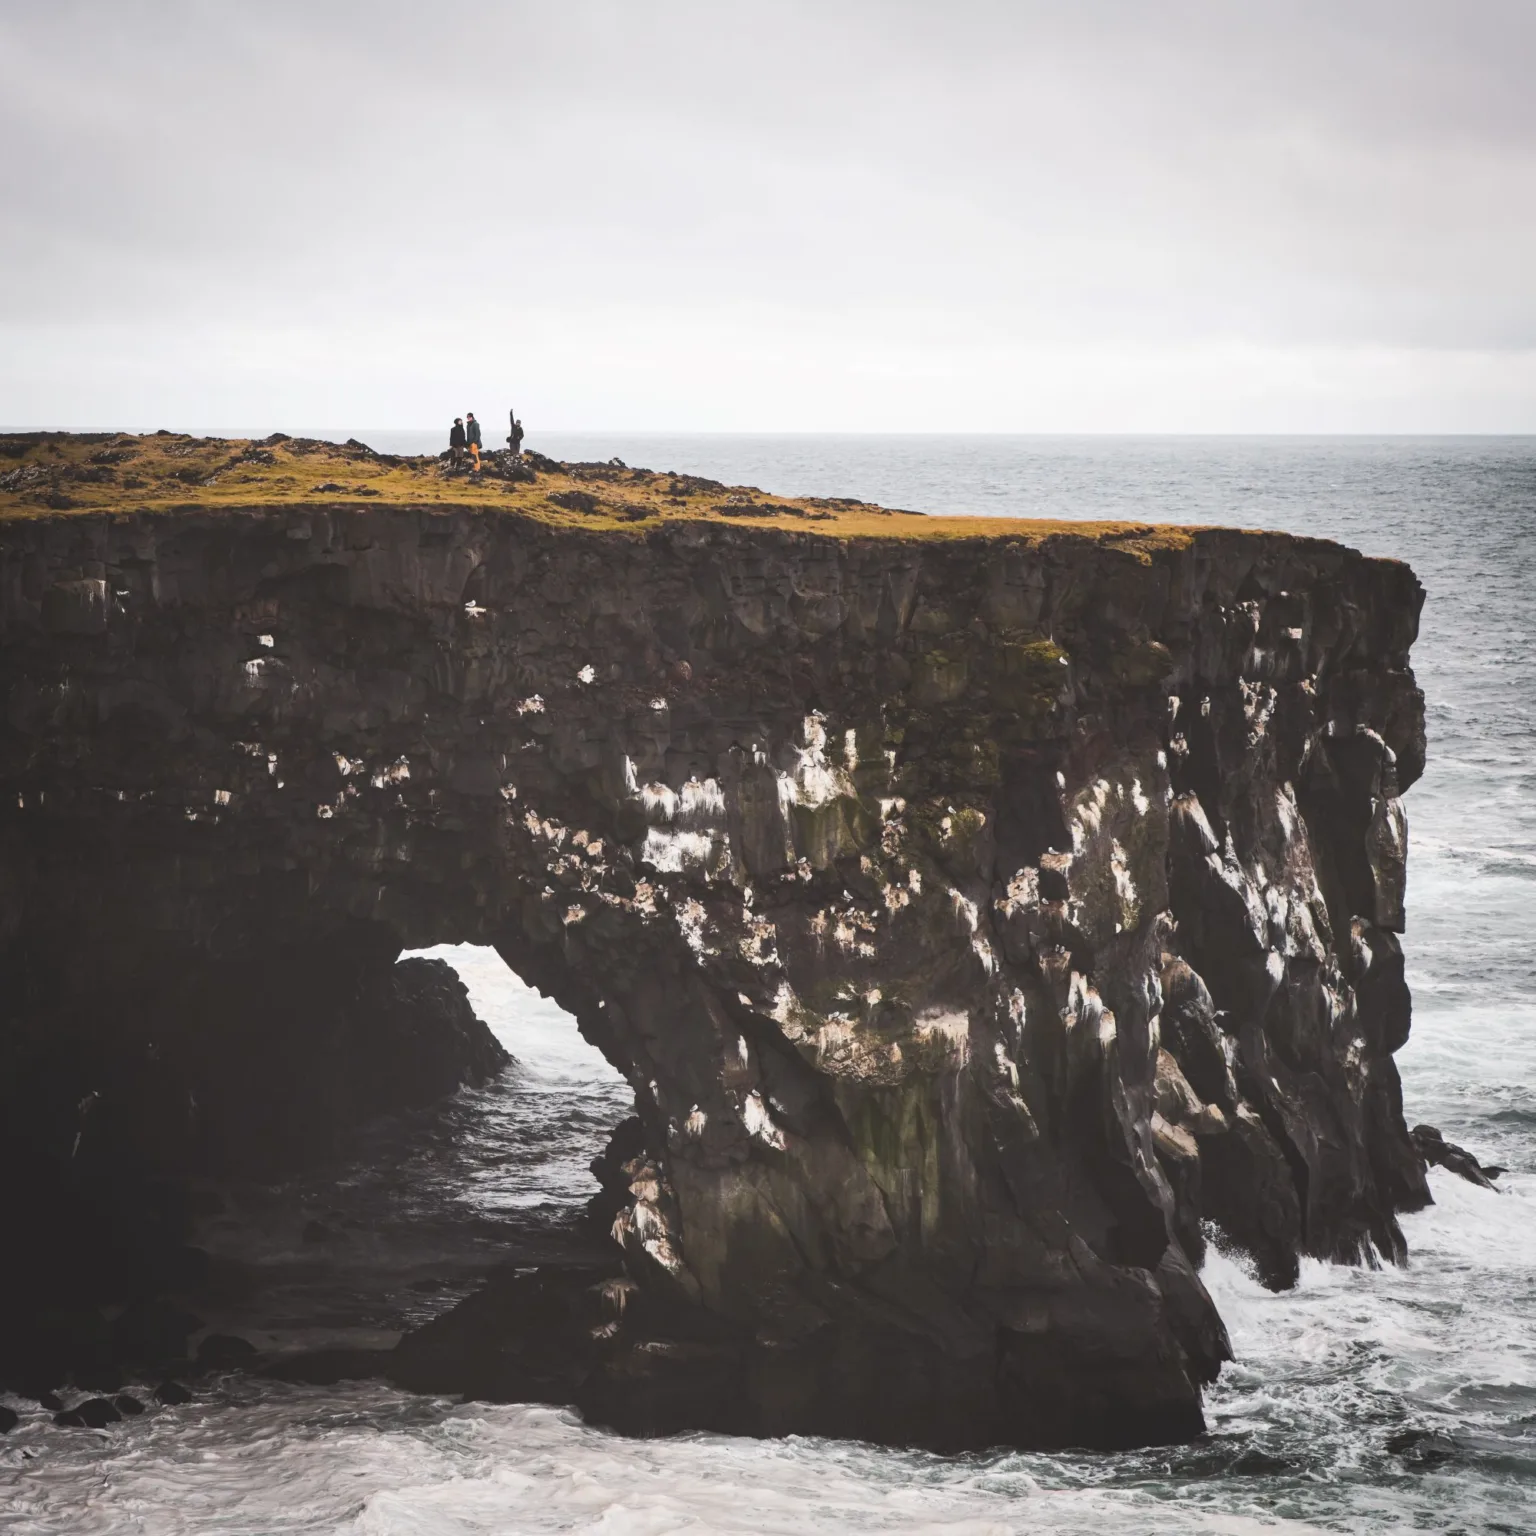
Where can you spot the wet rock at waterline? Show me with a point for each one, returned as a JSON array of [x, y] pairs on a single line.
[[1437, 1152], [225, 1351], [978, 917], [93, 1413]]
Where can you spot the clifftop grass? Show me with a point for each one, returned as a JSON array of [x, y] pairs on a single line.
[[53, 474]]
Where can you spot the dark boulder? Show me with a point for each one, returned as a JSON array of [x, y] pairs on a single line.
[[225, 1351], [9, 1419], [93, 1413], [525, 1337], [128, 1405], [172, 1394]]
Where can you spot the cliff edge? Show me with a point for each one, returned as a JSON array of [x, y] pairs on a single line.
[[986, 913]]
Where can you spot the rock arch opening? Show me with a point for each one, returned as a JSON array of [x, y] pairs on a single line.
[[421, 1204], [568, 1096], [359, 1143]]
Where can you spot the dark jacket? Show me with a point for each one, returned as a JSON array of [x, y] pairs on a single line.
[[472, 431], [456, 436]]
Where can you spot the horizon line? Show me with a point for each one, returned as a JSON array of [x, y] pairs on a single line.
[[323, 434]]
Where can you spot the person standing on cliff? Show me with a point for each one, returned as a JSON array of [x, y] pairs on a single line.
[[515, 436], [472, 437], [456, 441]]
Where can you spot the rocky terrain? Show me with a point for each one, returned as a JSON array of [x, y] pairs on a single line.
[[987, 914]]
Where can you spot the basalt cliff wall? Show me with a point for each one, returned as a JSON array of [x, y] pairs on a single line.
[[983, 922]]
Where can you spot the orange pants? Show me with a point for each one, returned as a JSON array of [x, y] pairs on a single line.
[[474, 448]]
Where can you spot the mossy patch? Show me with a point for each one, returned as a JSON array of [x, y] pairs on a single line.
[[1141, 664], [895, 1132], [53, 473]]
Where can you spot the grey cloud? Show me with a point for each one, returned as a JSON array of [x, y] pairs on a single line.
[[973, 175]]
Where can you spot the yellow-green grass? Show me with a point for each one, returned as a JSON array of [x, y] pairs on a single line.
[[56, 474]]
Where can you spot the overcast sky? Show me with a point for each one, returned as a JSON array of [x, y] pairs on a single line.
[[1074, 215]]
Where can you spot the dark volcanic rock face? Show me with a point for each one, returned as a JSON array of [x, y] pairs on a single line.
[[978, 921]]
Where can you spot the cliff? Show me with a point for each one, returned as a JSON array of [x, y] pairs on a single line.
[[983, 911]]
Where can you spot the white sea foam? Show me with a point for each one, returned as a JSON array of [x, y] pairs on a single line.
[[374, 1462]]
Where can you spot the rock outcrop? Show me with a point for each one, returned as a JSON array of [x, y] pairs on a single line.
[[985, 915], [1437, 1152]]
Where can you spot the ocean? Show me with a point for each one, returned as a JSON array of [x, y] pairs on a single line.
[[1361, 1401]]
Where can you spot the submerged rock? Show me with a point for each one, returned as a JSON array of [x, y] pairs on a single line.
[[1424, 1448], [980, 911]]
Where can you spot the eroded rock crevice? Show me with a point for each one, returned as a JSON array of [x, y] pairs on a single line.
[[979, 922]]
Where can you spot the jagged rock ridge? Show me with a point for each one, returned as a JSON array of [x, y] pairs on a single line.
[[980, 921]]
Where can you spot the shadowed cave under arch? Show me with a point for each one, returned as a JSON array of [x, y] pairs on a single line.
[[416, 1207]]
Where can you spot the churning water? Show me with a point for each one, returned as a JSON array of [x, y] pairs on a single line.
[[1400, 1399]]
